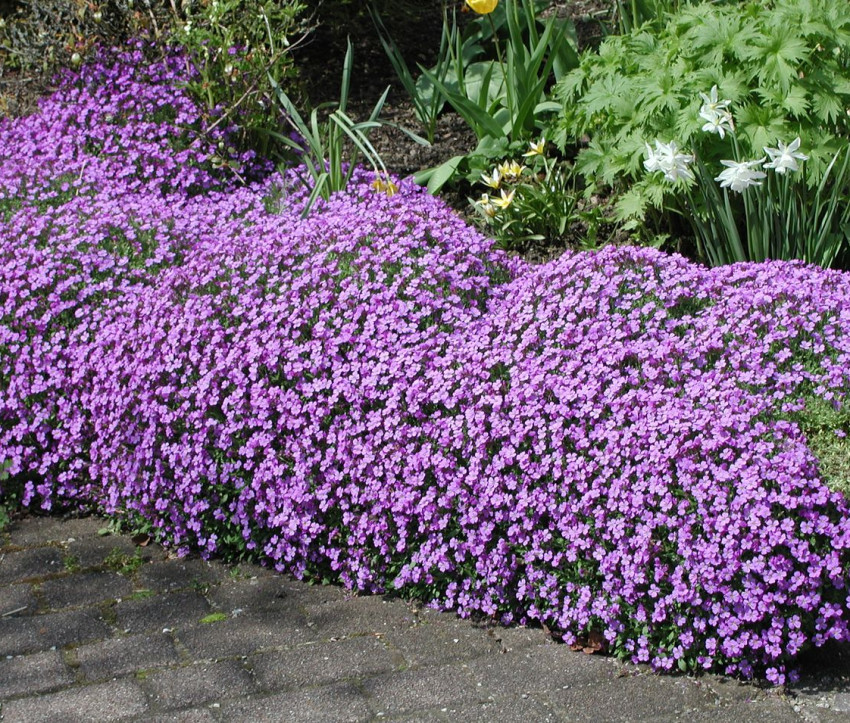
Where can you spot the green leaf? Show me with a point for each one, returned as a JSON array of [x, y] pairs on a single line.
[[213, 618], [631, 204], [827, 107], [436, 178], [779, 56]]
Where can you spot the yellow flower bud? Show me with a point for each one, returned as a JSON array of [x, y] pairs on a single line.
[[482, 7], [384, 185]]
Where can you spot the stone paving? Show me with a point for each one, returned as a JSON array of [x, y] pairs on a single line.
[[95, 628]]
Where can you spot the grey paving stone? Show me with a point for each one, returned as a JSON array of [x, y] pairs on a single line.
[[438, 643], [181, 574], [39, 530], [195, 715], [115, 701], [30, 564], [510, 710], [760, 711], [540, 669], [252, 595], [198, 684], [85, 589], [121, 656], [729, 690], [516, 637], [176, 610], [322, 663], [15, 597], [420, 716], [245, 634], [42, 632], [31, 674], [422, 688], [358, 616], [340, 703], [648, 697], [305, 594], [841, 702]]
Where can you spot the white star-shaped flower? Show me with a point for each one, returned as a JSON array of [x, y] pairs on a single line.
[[785, 157], [666, 158], [740, 176]]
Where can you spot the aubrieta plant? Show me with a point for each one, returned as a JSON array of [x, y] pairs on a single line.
[[613, 443], [771, 213]]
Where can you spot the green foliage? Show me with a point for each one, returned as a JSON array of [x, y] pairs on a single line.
[[242, 51], [527, 203], [827, 426], [40, 37], [427, 100], [504, 101], [780, 219], [213, 618], [10, 494], [631, 14], [119, 561], [330, 149], [784, 65]]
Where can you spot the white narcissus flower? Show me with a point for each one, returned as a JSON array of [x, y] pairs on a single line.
[[666, 158], [716, 114], [739, 176], [718, 122], [710, 103], [785, 157]]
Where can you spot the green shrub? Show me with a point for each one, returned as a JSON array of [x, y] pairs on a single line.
[[240, 49], [784, 65]]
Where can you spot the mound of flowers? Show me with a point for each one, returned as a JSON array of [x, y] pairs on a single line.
[[607, 443]]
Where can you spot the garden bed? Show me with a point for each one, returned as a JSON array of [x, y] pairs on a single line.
[[617, 444]]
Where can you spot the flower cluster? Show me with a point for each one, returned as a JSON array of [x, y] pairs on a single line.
[[604, 443], [737, 175]]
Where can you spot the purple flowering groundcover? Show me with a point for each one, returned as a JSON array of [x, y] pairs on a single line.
[[609, 443]]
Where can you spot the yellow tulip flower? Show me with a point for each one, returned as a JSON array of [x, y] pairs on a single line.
[[482, 7], [536, 149], [510, 171], [494, 180], [504, 201]]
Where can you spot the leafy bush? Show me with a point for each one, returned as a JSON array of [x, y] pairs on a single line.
[[615, 444], [785, 67], [43, 36], [239, 49]]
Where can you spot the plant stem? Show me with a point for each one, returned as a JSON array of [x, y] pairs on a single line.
[[502, 65]]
